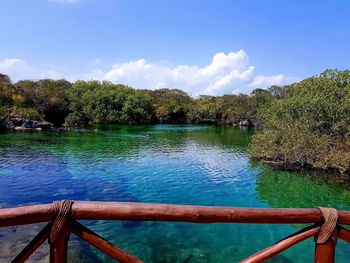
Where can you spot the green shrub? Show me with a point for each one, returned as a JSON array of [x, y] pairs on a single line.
[[310, 127]]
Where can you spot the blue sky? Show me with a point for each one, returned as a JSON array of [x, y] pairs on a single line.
[[202, 47]]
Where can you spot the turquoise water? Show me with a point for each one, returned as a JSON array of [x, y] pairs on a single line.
[[200, 165]]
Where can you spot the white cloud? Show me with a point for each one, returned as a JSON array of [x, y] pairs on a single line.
[[225, 74], [11, 62], [261, 81], [18, 69]]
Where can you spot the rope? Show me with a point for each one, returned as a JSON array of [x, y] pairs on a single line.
[[330, 216], [62, 222]]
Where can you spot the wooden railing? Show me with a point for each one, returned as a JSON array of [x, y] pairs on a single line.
[[62, 220]]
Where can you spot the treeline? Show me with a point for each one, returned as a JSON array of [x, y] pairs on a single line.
[[310, 127], [93, 102]]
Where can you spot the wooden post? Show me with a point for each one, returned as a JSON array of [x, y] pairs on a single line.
[[59, 249], [60, 231], [325, 252]]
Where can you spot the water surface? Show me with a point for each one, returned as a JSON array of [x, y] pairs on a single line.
[[179, 164]]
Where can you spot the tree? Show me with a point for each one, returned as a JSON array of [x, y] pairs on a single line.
[[309, 127], [47, 96], [95, 102], [5, 81], [138, 109], [171, 105]]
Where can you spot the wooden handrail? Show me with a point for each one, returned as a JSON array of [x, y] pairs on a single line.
[[282, 245], [80, 210], [344, 234], [84, 210], [109, 249]]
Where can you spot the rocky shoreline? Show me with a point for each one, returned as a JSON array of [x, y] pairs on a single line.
[[22, 124]]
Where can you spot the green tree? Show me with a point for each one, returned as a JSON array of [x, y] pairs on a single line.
[[47, 96], [138, 109], [94, 102], [309, 127], [171, 105]]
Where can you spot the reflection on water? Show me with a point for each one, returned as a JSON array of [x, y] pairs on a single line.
[[297, 190], [180, 164]]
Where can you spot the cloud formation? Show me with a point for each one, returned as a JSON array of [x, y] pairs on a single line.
[[14, 67], [18, 69], [225, 74], [263, 81]]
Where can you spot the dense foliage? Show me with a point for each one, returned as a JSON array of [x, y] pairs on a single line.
[[310, 127], [103, 102], [93, 102], [38, 100]]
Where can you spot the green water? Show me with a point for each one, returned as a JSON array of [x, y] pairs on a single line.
[[201, 165]]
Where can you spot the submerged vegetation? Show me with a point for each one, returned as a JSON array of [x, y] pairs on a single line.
[[305, 124]]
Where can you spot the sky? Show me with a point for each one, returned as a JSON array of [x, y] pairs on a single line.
[[202, 47]]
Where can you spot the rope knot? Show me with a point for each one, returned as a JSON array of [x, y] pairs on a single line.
[[330, 216], [62, 223]]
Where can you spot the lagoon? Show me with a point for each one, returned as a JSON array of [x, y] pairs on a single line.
[[178, 164]]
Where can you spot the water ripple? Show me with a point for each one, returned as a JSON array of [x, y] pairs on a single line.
[[204, 165]]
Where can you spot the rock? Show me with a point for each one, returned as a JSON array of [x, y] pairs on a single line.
[[44, 125], [26, 124], [8, 124], [29, 124], [246, 123]]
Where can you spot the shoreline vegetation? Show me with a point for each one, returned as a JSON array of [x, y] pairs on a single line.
[[85, 103], [304, 125], [310, 127]]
